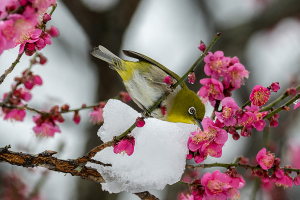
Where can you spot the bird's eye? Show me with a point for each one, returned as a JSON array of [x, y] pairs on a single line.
[[192, 111]]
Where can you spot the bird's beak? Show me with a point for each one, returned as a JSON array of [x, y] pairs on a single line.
[[199, 123]]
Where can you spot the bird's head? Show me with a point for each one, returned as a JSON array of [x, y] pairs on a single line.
[[186, 108]]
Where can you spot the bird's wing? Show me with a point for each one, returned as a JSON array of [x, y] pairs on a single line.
[[142, 57]]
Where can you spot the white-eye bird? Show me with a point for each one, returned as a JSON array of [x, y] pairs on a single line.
[[144, 81]]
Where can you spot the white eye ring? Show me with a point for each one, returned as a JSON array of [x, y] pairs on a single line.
[[192, 111]]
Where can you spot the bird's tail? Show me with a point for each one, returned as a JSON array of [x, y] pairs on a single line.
[[107, 56]]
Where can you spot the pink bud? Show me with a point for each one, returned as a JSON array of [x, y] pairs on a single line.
[[245, 132], [102, 104], [190, 155], [76, 117], [277, 162], [65, 107], [192, 78], [235, 136], [46, 17], [291, 91], [43, 59], [244, 160], [53, 31], [202, 46], [297, 180], [125, 97], [168, 80], [275, 87], [140, 122], [163, 110], [265, 178]]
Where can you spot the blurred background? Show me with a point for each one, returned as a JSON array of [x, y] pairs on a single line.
[[264, 34]]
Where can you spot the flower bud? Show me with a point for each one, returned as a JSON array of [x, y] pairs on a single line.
[[163, 109], [202, 46], [168, 80], [46, 17], [235, 136], [291, 91], [65, 107], [297, 180], [124, 96], [83, 105], [243, 160], [277, 162], [286, 108], [43, 59], [102, 104], [76, 117], [140, 122], [275, 87], [265, 178], [53, 31], [192, 78], [245, 132]]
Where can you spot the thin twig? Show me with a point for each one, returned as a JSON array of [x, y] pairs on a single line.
[[11, 68], [276, 101], [7, 98], [228, 165]]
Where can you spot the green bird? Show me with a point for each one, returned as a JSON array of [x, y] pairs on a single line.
[[144, 81]]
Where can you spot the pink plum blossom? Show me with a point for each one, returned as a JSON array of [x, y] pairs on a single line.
[[265, 159], [285, 181], [212, 89], [45, 128], [7, 34], [247, 119], [23, 94], [297, 180], [259, 95], [31, 80], [216, 64], [207, 142], [274, 120], [125, 146], [29, 36], [234, 76], [14, 114], [227, 116], [97, 116], [259, 123], [217, 186]]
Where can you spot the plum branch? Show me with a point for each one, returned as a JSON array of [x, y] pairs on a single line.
[[46, 160]]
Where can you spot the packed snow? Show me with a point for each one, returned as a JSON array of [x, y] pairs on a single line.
[[159, 155]]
